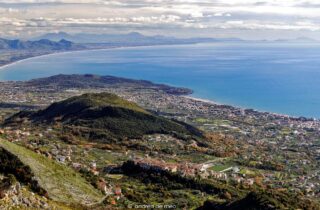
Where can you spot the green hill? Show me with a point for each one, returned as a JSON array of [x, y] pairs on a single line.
[[75, 105], [105, 117]]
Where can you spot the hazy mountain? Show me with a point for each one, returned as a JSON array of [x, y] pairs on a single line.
[[305, 39], [42, 44], [55, 36], [297, 40], [131, 38]]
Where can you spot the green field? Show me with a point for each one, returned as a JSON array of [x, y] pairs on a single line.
[[219, 168]]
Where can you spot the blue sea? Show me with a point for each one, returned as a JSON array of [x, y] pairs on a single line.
[[280, 78]]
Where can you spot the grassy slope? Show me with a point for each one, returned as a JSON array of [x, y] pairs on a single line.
[[94, 100], [62, 183]]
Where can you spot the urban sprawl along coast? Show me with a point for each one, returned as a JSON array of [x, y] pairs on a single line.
[[250, 149]]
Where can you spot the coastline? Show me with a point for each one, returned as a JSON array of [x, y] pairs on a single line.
[[203, 100], [3, 67], [244, 108]]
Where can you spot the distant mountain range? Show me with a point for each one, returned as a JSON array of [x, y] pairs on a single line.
[[131, 38], [64, 41], [299, 39], [136, 38], [42, 44]]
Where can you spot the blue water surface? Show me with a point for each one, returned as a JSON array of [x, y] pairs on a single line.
[[281, 78]]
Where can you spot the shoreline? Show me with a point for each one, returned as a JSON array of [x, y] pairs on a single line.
[[3, 67], [246, 108], [202, 100]]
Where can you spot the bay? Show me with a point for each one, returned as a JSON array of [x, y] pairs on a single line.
[[274, 77]]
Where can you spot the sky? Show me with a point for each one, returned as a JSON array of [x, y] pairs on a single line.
[[247, 19]]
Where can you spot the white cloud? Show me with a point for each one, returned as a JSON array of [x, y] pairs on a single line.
[[169, 16]]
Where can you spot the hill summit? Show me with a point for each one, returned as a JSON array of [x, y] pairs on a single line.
[[105, 116], [91, 101]]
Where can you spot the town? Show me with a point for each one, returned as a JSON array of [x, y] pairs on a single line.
[[249, 148]]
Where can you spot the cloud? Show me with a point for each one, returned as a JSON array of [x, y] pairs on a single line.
[[165, 16]]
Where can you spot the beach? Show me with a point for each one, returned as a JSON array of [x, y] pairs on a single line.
[[73, 51], [37, 56]]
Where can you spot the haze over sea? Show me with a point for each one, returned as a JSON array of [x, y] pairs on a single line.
[[281, 78]]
